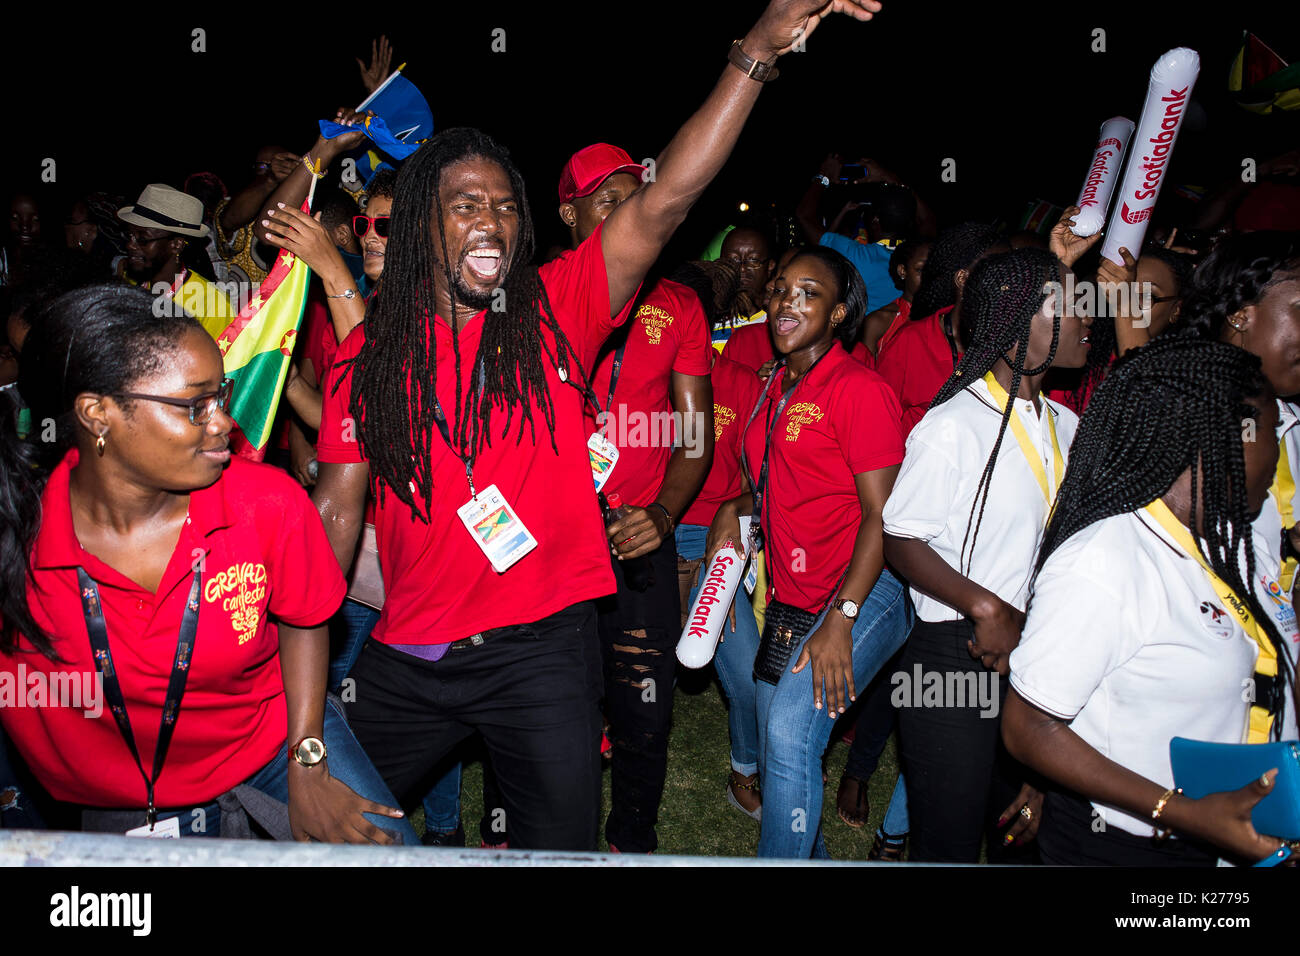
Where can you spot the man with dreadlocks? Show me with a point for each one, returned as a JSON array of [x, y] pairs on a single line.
[[461, 397], [965, 540], [1143, 626]]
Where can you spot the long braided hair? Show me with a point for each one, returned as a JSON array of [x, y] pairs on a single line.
[[1175, 401], [395, 373], [955, 249], [1001, 297]]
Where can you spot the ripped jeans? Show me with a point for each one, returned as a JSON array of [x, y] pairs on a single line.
[[638, 641]]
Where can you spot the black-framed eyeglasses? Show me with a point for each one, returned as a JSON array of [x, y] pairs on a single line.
[[361, 225], [202, 407]]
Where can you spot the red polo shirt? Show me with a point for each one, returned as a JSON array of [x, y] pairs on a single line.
[[265, 554], [735, 390], [439, 586], [669, 333], [916, 364], [750, 346], [899, 323], [841, 421]]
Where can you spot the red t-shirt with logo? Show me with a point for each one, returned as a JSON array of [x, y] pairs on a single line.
[[265, 554], [735, 390], [750, 346], [840, 421], [439, 585], [668, 333], [916, 364]]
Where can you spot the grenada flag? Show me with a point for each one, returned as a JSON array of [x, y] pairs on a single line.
[[256, 347]]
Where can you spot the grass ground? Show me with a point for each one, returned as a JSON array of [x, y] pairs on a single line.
[[694, 817]]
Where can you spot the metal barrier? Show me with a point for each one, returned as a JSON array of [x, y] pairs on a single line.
[[64, 848]]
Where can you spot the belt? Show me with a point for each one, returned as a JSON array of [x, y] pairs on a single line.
[[477, 640]]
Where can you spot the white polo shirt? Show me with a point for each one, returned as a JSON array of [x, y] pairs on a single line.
[[1127, 640], [1267, 535], [935, 488]]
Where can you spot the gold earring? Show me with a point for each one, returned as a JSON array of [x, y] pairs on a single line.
[[99, 446], [1236, 326]]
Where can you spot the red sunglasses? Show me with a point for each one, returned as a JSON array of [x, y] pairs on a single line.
[[361, 225]]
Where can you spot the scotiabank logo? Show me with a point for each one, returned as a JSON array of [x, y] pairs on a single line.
[[1112, 141], [1134, 216]]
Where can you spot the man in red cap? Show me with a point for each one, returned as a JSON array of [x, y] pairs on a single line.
[[460, 399], [656, 410]]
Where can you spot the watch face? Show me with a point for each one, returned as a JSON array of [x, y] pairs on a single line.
[[850, 609], [310, 751]]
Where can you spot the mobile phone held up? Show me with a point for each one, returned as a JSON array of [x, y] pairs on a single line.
[[851, 172]]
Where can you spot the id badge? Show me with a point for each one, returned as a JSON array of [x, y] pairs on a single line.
[[751, 555], [603, 454], [496, 529], [169, 829]]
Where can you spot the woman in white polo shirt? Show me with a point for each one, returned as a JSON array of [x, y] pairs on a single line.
[[1132, 638], [1244, 293], [963, 525]]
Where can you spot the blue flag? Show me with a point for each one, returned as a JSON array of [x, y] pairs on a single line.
[[401, 122]]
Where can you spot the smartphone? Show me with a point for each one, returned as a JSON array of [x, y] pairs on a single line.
[[851, 172]]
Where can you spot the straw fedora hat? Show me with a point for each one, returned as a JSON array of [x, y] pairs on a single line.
[[162, 207]]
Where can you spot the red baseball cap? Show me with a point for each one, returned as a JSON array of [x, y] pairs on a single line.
[[588, 168]]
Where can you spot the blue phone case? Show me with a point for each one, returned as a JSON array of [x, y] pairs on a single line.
[[1202, 768]]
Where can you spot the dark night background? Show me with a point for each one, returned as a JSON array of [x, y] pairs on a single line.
[[1013, 93]]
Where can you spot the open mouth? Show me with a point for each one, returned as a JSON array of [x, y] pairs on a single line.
[[785, 324], [484, 262]]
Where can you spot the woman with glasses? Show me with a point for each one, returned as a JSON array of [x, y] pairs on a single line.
[[163, 605]]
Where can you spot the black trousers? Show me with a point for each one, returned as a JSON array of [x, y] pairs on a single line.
[[1071, 834], [959, 776], [638, 640], [531, 692]]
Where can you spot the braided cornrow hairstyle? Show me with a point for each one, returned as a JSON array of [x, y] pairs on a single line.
[[396, 421], [1234, 275], [955, 249], [1001, 297], [1173, 402]]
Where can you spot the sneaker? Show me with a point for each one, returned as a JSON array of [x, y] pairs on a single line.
[[443, 838]]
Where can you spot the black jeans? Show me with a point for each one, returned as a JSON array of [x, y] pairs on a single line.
[[638, 640], [959, 776], [875, 722], [1072, 834], [531, 692]]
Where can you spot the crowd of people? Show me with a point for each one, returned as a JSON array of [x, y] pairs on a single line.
[[1034, 538]]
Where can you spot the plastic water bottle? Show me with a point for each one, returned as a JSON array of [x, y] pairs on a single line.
[[637, 572]]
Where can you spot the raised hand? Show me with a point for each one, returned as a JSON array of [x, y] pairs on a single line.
[[381, 57], [1064, 244], [787, 22]]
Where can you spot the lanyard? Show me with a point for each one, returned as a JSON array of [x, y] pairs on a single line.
[[614, 374], [1283, 492], [758, 487], [440, 419], [1027, 448], [93, 609], [1261, 718]]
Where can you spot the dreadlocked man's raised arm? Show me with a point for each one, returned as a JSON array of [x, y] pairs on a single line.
[[638, 229]]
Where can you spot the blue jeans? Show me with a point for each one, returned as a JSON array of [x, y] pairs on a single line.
[[442, 803], [896, 822], [793, 734], [347, 762], [733, 661], [357, 621]]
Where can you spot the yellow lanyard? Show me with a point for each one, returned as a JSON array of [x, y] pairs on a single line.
[[1261, 721], [1283, 492], [1028, 448]]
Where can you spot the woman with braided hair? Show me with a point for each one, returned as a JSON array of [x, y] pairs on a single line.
[[1247, 293], [965, 538], [1141, 627]]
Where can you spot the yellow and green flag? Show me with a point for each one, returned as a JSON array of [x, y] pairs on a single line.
[[256, 347]]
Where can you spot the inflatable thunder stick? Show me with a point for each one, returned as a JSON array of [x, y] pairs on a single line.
[[1168, 93], [1103, 174], [709, 612]]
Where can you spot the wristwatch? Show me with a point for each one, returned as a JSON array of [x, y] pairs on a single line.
[[345, 294], [823, 179], [309, 751], [848, 608]]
